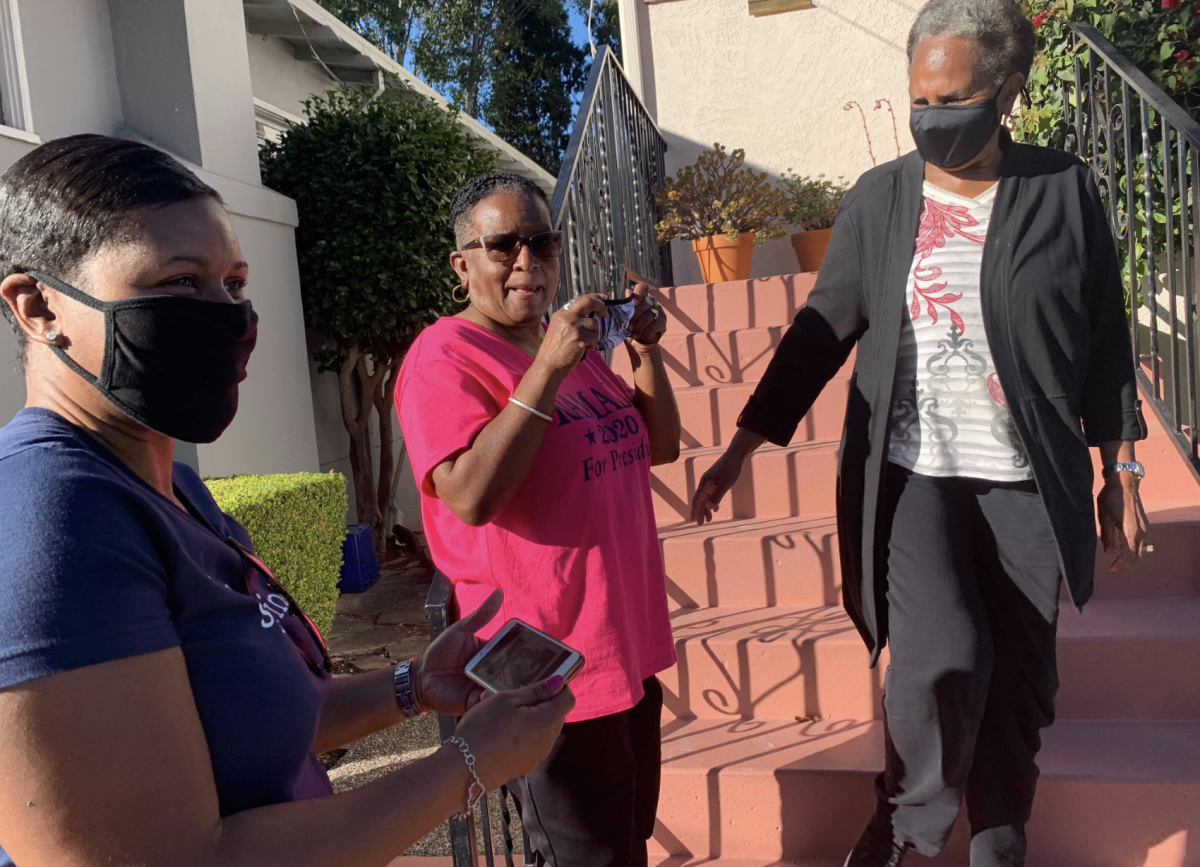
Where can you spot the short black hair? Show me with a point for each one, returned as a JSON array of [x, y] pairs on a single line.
[[479, 188], [65, 200]]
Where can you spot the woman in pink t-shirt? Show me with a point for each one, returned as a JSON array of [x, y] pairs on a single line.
[[533, 461]]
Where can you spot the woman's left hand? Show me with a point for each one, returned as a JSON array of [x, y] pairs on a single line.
[[1123, 521], [438, 680], [649, 322]]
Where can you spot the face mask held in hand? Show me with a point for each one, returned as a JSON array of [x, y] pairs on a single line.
[[949, 136], [172, 364], [614, 327]]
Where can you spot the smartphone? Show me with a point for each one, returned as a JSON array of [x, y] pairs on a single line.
[[519, 656]]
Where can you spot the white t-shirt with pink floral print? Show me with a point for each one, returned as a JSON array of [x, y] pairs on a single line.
[[949, 415]]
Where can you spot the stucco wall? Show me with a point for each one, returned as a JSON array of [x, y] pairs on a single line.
[[279, 78], [776, 86]]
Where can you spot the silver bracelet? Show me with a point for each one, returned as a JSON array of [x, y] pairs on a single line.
[[536, 412], [476, 783]]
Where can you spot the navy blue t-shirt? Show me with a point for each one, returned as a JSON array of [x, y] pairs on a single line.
[[95, 565]]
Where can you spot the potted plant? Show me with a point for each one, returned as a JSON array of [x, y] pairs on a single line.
[[812, 205], [723, 208]]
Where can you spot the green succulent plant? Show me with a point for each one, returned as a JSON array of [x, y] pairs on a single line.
[[718, 195], [811, 203]]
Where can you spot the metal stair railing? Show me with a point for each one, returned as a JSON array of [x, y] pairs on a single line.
[[1144, 150], [603, 202]]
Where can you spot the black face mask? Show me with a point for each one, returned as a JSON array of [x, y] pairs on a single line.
[[172, 364], [952, 135]]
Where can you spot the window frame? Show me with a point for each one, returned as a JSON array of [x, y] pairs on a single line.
[[14, 87]]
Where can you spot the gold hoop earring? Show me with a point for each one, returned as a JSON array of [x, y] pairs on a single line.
[[454, 294]]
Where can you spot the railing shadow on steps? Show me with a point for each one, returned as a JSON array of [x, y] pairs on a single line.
[[1144, 150]]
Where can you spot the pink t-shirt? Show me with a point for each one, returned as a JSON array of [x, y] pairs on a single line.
[[575, 550]]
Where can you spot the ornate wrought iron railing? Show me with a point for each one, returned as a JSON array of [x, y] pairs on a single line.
[[464, 844], [1145, 152], [604, 199]]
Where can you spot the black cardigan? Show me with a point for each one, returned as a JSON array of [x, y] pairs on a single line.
[[1054, 313]]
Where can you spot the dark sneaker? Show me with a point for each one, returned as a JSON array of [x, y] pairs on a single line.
[[877, 848]]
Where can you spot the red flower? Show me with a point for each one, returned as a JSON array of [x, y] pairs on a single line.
[[1170, 4], [1181, 55], [1041, 17]]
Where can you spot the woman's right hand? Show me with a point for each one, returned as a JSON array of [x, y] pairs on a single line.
[[511, 732], [715, 484], [572, 333]]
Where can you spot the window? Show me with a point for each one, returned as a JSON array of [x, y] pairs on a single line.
[[14, 95]]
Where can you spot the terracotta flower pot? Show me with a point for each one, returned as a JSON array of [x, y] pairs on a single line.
[[810, 248], [720, 259]]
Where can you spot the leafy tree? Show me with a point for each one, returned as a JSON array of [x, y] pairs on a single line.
[[451, 53], [1162, 39], [511, 64], [606, 22], [373, 178], [388, 24], [536, 72]]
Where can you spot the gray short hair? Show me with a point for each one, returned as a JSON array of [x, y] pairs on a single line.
[[999, 26]]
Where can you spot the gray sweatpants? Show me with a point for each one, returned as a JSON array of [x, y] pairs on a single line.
[[973, 578]]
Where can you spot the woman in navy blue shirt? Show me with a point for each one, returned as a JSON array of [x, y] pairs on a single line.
[[161, 698]]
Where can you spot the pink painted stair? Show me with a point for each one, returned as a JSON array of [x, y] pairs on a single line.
[[771, 729]]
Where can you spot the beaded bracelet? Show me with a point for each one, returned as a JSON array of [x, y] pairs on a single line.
[[476, 783]]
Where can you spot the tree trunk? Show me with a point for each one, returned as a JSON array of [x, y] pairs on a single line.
[[358, 387], [474, 72], [389, 467]]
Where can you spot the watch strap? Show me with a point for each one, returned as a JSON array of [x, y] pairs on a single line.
[[1134, 467], [405, 698]]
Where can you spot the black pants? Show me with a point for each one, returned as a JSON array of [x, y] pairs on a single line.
[[973, 578], [592, 802]]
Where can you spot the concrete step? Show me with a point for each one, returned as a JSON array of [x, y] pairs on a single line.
[[739, 304], [713, 357], [776, 482], [770, 663], [763, 562], [1120, 659], [709, 413], [1112, 794], [753, 563]]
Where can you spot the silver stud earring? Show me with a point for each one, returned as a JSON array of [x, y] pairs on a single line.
[[52, 335]]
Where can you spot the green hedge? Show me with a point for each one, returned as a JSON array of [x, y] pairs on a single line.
[[297, 523]]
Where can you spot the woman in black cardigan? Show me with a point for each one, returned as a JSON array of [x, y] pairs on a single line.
[[979, 280]]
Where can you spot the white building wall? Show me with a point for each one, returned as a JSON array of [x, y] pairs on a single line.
[[776, 86], [279, 78], [71, 74], [70, 67]]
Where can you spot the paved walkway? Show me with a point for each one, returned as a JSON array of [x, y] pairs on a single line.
[[375, 629], [378, 629]]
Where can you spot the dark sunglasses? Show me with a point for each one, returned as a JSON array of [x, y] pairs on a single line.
[[262, 584], [507, 246]]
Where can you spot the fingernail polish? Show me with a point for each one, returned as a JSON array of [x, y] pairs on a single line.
[[555, 683]]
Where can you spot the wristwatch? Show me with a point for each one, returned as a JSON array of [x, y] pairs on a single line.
[[1134, 467], [405, 698]]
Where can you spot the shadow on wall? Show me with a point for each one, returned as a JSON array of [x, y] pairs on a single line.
[[880, 143]]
